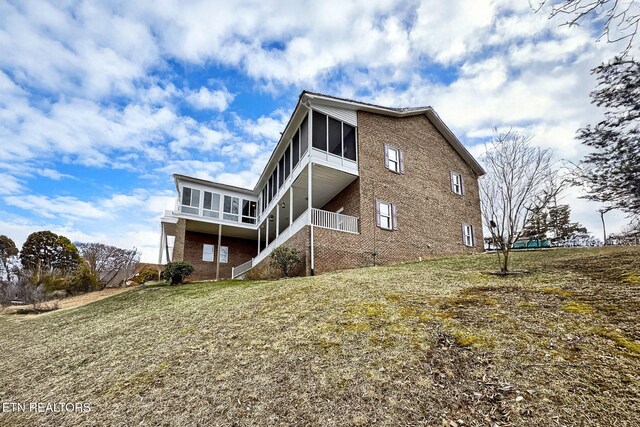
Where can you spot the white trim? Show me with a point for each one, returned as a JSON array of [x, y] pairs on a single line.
[[208, 254]]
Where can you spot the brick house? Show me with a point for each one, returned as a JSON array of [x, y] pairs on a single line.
[[349, 184]]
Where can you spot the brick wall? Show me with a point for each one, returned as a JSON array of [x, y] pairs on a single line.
[[429, 214], [300, 241], [240, 251]]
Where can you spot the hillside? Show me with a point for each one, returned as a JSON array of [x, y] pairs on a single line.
[[413, 344]]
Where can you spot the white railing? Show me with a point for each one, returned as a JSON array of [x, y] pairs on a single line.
[[297, 225], [334, 221], [241, 269], [319, 218]]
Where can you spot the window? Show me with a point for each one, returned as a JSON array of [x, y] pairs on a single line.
[[295, 142], [386, 215], [273, 184], [304, 136], [456, 183], [287, 162], [230, 208], [349, 142], [190, 200], [224, 254], [207, 252], [467, 234], [332, 136], [281, 172], [211, 206], [248, 211], [335, 137], [319, 131], [393, 159]]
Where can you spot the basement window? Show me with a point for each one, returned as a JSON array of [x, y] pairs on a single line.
[[207, 252], [467, 234], [224, 254]]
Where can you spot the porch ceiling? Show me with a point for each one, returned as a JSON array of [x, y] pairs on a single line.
[[327, 183], [227, 230]]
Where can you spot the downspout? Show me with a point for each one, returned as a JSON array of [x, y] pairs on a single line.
[[309, 186]]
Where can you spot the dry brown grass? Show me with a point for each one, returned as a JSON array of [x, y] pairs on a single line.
[[65, 303], [413, 344]]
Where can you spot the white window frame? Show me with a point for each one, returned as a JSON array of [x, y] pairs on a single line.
[[192, 208], [396, 164], [456, 183], [223, 253], [214, 212], [467, 235], [231, 216], [388, 221], [206, 254]]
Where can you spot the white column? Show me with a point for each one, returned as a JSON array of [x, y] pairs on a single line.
[[266, 235], [218, 248], [310, 206], [291, 205], [258, 238], [277, 219], [161, 243]]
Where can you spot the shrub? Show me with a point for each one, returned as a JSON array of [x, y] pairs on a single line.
[[146, 274], [263, 272], [285, 259], [176, 272], [82, 280]]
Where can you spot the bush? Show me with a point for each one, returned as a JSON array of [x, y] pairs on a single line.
[[146, 274], [82, 280], [285, 259], [176, 272], [263, 272]]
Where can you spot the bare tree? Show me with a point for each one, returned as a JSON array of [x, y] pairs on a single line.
[[519, 183], [109, 262], [620, 20]]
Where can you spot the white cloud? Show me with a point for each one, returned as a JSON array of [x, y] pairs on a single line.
[[205, 99], [59, 206], [10, 184]]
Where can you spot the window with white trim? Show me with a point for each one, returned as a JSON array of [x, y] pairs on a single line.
[[231, 208], [208, 252], [224, 254], [211, 205], [190, 200], [467, 234], [393, 159], [386, 215], [456, 183]]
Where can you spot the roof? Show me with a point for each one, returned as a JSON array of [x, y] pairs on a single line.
[[306, 96], [403, 112], [177, 176]]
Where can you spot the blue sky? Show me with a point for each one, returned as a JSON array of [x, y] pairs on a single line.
[[100, 102]]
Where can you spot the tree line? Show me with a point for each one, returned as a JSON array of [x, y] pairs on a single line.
[[51, 265]]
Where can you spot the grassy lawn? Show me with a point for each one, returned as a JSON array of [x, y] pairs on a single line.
[[413, 344]]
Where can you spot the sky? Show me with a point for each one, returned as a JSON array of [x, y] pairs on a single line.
[[102, 101]]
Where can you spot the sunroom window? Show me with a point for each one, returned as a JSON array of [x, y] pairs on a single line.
[[248, 212], [190, 200], [231, 207], [333, 136], [211, 205]]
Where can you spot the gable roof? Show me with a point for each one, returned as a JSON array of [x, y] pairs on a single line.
[[400, 112], [306, 97]]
